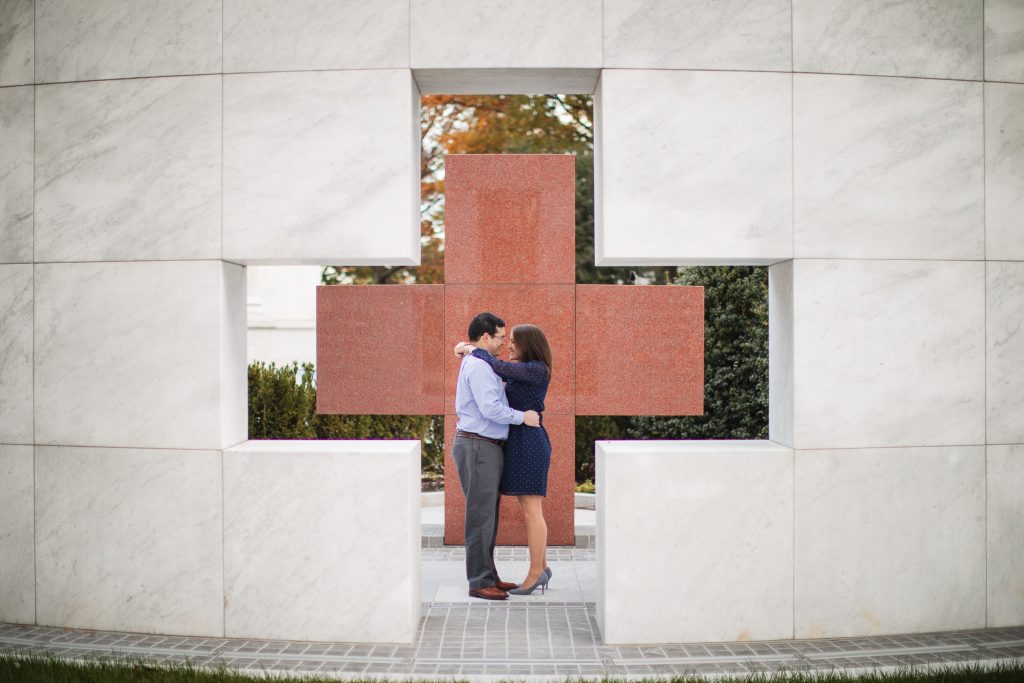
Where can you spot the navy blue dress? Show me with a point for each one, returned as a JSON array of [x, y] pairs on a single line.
[[528, 449]]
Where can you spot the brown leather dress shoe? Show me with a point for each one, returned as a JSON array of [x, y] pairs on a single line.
[[506, 585], [488, 593]]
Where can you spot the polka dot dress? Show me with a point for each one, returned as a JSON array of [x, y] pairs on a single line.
[[528, 449]]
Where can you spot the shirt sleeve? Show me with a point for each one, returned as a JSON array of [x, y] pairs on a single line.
[[487, 394], [533, 372]]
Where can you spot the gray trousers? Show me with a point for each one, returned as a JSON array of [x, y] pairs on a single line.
[[479, 464]]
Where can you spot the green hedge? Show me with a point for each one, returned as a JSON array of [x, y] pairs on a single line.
[[282, 405]]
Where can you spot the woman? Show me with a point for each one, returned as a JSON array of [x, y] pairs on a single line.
[[528, 449]]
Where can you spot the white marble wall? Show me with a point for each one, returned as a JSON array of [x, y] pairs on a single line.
[[696, 34], [129, 540], [16, 354], [17, 535], [1005, 517], [128, 170], [1004, 45], [695, 167], [889, 38], [1004, 321], [290, 35], [321, 168], [1004, 171], [16, 112], [724, 571], [140, 354], [17, 65], [322, 540], [888, 168], [84, 41], [880, 533]]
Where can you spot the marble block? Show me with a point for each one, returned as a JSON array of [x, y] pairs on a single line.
[[1004, 339], [780, 353], [16, 354], [1004, 171], [286, 35], [129, 540], [506, 81], [17, 44], [322, 168], [128, 170], [380, 350], [889, 541], [696, 168], [725, 571], [889, 38], [1004, 40], [888, 353], [16, 159], [559, 503], [696, 34], [1005, 527], [494, 34], [322, 540], [17, 535], [510, 218], [663, 374], [84, 41], [888, 168], [146, 355]]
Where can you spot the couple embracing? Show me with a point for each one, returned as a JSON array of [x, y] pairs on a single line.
[[501, 447]]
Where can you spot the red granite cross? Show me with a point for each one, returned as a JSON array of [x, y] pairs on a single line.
[[510, 249]]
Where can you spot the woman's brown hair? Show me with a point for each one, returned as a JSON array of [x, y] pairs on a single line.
[[532, 345]]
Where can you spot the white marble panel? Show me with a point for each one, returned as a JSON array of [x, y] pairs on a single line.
[[128, 169], [780, 353], [506, 81], [296, 35], [1004, 339], [16, 354], [129, 540], [322, 168], [137, 354], [889, 540], [888, 353], [1004, 40], [725, 572], [696, 168], [888, 168], [466, 34], [889, 37], [696, 34], [17, 42], [16, 117], [17, 535], [322, 540], [1005, 524], [1004, 171], [81, 41]]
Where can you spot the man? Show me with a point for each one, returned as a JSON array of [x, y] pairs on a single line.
[[484, 417]]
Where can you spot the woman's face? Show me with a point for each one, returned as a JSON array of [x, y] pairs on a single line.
[[513, 352]]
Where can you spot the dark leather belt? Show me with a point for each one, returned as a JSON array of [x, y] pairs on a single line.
[[471, 435]]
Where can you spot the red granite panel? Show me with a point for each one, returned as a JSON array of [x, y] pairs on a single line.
[[550, 307], [640, 350], [510, 218], [379, 349], [558, 505]]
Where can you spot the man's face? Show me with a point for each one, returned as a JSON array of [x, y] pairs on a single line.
[[493, 344]]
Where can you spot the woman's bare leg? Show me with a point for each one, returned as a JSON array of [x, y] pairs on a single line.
[[536, 536]]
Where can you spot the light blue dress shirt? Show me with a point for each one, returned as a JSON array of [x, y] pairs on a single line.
[[480, 401]]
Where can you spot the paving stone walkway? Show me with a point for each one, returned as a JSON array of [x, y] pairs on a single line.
[[549, 636]]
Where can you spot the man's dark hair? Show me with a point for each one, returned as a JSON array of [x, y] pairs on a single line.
[[484, 322]]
